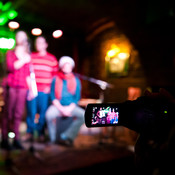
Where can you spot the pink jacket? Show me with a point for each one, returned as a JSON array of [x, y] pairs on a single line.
[[16, 78]]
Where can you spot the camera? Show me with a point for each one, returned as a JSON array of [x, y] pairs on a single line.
[[97, 115], [142, 115]]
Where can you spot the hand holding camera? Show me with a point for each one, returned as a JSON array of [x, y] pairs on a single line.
[[153, 117]]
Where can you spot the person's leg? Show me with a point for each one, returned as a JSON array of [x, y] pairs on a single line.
[[31, 111], [73, 130], [4, 120], [18, 111], [9, 97], [42, 104], [8, 113], [51, 114]]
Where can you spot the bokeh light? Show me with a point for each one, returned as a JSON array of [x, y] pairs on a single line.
[[13, 25], [7, 43], [57, 33], [36, 31]]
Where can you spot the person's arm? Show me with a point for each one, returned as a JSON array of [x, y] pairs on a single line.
[[52, 90], [57, 103], [78, 91], [55, 67], [13, 63], [30, 94], [19, 63]]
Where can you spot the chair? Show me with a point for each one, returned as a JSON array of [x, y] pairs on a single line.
[[62, 123]]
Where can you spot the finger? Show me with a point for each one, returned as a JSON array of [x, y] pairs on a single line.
[[150, 94], [166, 94]]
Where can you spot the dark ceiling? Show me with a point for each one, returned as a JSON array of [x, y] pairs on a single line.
[[147, 23], [76, 14], [78, 17]]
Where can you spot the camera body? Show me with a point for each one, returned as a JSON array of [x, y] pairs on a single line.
[[142, 115], [99, 115], [153, 118]]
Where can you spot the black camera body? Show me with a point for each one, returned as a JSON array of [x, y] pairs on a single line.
[[153, 118], [142, 115]]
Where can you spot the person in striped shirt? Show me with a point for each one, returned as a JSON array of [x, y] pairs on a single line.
[[45, 67]]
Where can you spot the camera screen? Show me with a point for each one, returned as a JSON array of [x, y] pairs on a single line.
[[105, 115]]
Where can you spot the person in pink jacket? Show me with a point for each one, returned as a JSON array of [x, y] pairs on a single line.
[[18, 63]]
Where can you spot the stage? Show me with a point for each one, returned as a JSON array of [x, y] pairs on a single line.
[[89, 154]]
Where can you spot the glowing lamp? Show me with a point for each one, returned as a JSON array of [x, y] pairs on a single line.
[[7, 43], [36, 31], [117, 60], [57, 33], [113, 52], [13, 25], [123, 56]]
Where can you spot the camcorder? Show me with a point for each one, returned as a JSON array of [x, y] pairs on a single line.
[[144, 115]]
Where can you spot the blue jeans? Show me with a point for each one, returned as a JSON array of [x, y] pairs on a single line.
[[52, 113], [37, 106]]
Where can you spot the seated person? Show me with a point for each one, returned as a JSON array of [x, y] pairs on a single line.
[[65, 94]]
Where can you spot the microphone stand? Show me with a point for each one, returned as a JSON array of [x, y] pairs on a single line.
[[102, 84]]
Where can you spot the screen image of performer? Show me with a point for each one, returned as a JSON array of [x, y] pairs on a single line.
[[105, 116]]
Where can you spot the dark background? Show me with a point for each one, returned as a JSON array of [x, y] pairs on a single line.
[[86, 24]]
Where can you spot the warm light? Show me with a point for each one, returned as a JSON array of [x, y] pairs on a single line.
[[57, 33], [115, 61], [7, 43], [36, 31], [123, 56], [107, 58], [113, 52], [13, 25]]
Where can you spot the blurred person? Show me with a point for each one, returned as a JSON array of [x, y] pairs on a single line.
[[65, 94], [45, 67], [18, 62]]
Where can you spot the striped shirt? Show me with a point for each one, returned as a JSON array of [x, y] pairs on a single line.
[[45, 68]]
